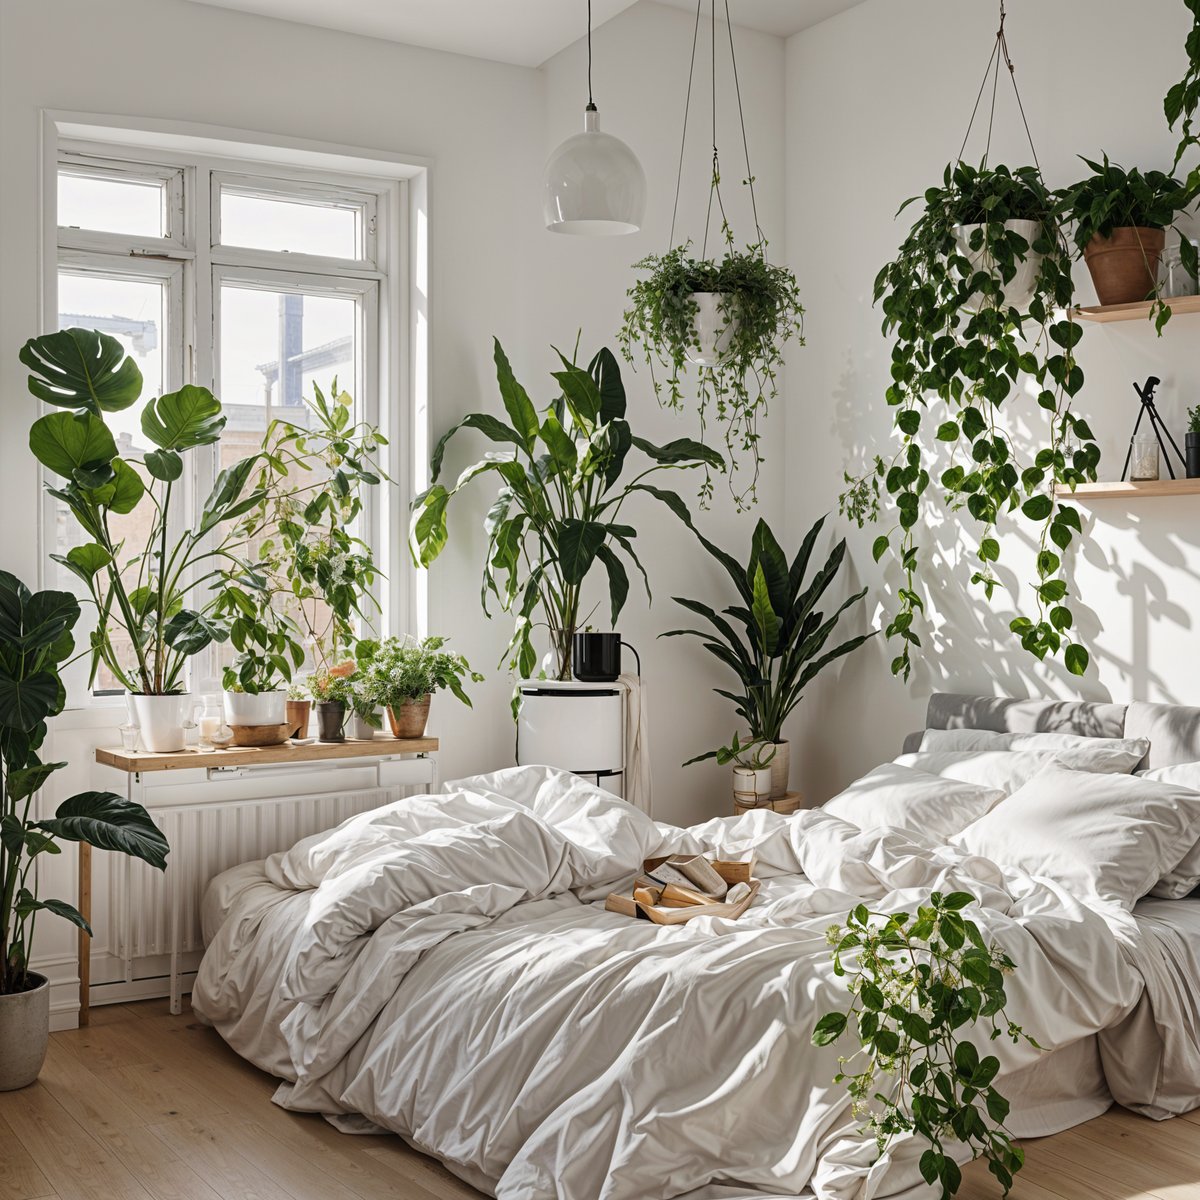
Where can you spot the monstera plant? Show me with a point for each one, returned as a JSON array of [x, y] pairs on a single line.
[[558, 513], [154, 599]]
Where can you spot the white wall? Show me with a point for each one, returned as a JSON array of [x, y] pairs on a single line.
[[878, 100], [487, 129]]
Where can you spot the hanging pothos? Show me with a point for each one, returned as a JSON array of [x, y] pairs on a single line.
[[1184, 98], [980, 318]]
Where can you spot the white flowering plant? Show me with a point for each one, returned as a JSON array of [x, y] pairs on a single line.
[[407, 669], [920, 991]]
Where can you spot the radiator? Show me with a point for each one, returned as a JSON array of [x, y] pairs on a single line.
[[207, 839]]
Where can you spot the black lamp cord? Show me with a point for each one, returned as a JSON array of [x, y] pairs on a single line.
[[591, 104]]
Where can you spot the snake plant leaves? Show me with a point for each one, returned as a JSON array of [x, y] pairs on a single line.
[[82, 369], [109, 822], [765, 620], [64, 442], [183, 419]]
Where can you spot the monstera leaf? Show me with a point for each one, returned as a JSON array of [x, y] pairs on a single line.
[[183, 419], [26, 700], [82, 369], [106, 821], [66, 443]]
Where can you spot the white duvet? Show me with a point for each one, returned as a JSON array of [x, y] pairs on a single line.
[[443, 967]]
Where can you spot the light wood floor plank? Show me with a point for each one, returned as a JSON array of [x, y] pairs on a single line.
[[20, 1178]]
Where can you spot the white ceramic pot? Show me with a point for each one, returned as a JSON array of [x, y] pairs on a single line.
[[751, 785], [358, 728], [24, 1034], [265, 708], [1019, 290], [713, 327], [161, 720]]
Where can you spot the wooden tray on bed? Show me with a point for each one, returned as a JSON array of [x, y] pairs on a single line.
[[731, 871]]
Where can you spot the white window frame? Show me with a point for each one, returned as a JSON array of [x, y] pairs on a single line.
[[392, 278]]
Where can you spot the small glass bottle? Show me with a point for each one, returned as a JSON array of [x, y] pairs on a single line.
[[210, 717]]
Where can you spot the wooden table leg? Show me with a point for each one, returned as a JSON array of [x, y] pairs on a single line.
[[85, 941]]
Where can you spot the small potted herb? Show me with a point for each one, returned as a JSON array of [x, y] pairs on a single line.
[[404, 673], [331, 690], [730, 319], [751, 768], [1192, 443], [1120, 220]]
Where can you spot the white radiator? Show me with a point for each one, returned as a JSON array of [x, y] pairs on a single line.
[[207, 839]]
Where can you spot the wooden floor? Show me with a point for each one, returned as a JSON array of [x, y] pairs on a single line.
[[147, 1106]]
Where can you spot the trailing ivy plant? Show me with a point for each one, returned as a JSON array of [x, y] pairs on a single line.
[[964, 354], [1183, 99], [920, 989], [760, 309]]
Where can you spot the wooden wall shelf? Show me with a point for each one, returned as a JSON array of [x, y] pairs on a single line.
[[1131, 490], [1139, 311]]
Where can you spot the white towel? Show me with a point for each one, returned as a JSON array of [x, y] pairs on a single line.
[[637, 744]]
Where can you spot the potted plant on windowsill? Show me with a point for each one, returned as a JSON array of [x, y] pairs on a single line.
[[298, 710], [730, 319], [35, 640], [331, 689], [558, 512], [403, 675], [153, 602], [773, 637], [1120, 220]]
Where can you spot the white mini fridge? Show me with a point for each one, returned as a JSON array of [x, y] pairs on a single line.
[[579, 727]]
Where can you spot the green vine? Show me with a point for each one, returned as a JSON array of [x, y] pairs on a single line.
[[1183, 99], [917, 988], [965, 352]]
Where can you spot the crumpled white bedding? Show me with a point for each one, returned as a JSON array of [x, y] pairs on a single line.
[[444, 967]]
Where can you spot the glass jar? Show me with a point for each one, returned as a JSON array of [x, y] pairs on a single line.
[[1144, 461], [1177, 280], [210, 722]]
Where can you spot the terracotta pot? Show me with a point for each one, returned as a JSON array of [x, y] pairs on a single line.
[[24, 1034], [1124, 267], [781, 767], [331, 720], [298, 712], [410, 719]]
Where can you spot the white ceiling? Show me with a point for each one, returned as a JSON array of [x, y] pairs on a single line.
[[523, 32]]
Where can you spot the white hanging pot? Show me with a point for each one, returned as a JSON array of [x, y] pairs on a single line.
[[1019, 290], [713, 325], [161, 721], [264, 708]]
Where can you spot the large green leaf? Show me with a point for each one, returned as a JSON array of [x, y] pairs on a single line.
[[82, 369], [766, 552], [27, 780], [164, 464], [580, 392], [66, 442], [27, 903], [607, 375], [189, 632], [560, 444], [34, 620], [577, 543], [517, 404], [27, 700], [427, 537], [226, 501], [766, 620], [183, 419], [619, 441], [124, 492], [681, 452], [108, 822], [618, 580], [84, 561]]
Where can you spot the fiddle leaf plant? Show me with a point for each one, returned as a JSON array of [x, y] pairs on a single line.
[[972, 339], [35, 640], [922, 992], [563, 482]]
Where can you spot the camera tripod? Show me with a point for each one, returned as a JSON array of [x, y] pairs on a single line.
[[1149, 408]]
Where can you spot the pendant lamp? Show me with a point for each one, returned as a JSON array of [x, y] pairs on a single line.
[[593, 183]]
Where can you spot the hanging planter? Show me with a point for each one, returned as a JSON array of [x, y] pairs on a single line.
[[720, 323], [978, 300]]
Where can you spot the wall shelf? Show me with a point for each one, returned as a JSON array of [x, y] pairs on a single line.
[[1131, 490], [1138, 311]]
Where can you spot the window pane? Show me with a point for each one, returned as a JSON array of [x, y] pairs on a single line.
[[134, 311], [315, 338], [111, 204], [300, 227]]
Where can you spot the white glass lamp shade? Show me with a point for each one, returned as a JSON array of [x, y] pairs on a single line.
[[593, 185]]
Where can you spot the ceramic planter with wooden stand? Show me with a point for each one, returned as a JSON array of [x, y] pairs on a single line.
[[24, 1034]]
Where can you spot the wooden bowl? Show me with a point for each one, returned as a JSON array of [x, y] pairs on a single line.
[[260, 735]]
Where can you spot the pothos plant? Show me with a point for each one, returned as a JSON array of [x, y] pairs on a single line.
[[759, 313], [1184, 97], [966, 351], [920, 989]]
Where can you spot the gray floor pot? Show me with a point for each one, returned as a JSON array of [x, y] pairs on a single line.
[[24, 1034]]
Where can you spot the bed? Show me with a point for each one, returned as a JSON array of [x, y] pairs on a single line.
[[444, 968]]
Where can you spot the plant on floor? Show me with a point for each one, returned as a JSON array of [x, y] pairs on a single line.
[[35, 640], [563, 486], [311, 577], [966, 350], [153, 600], [1113, 199], [1184, 97], [918, 990], [757, 312], [773, 637]]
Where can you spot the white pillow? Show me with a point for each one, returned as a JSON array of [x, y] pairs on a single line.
[[1185, 878], [987, 739], [907, 799], [1009, 770], [1106, 836]]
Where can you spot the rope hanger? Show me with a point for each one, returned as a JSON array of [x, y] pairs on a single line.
[[714, 187], [999, 53]]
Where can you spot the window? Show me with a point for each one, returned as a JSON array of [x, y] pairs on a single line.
[[245, 278]]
